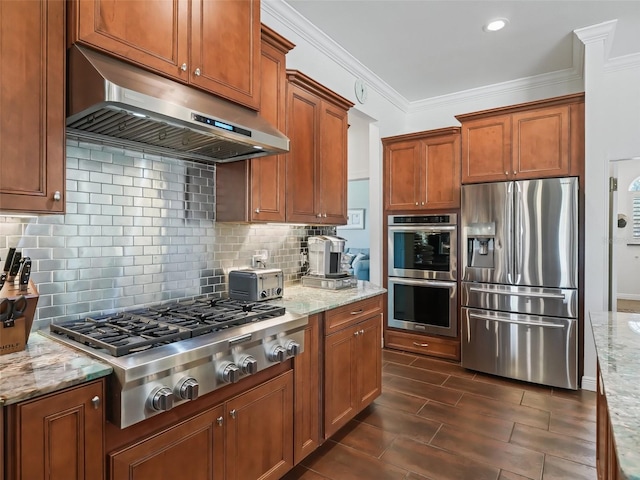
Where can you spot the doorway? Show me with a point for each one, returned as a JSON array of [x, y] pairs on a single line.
[[624, 234]]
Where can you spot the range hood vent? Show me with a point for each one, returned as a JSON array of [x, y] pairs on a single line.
[[122, 105]]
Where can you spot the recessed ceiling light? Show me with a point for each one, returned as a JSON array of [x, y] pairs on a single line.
[[495, 25]]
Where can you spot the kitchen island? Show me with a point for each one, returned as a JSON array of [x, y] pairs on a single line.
[[617, 338]]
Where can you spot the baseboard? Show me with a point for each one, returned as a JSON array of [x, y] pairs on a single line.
[[628, 296], [589, 383]]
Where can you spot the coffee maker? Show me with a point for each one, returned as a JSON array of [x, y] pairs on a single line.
[[325, 256]]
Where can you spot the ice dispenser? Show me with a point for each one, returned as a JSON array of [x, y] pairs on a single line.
[[480, 244]]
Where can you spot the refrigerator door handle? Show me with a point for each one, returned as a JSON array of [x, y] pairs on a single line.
[[558, 296], [517, 233], [509, 230], [518, 322]]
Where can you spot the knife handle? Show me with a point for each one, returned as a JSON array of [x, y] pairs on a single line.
[[25, 273], [3, 278], [15, 265], [9, 260]]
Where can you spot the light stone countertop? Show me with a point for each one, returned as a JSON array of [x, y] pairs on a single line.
[[45, 366], [617, 338], [309, 300]]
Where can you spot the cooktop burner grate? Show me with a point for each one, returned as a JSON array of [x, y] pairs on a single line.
[[128, 332]]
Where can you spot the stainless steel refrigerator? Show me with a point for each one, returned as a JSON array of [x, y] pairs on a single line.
[[520, 280]]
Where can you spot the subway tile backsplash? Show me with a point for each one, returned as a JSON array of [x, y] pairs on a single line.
[[139, 229]]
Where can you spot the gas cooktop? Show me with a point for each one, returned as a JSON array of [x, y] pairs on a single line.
[[134, 331], [169, 354]]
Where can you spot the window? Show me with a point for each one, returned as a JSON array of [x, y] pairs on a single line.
[[635, 189]]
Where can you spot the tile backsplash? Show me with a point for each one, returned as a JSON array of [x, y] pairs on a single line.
[[139, 229]]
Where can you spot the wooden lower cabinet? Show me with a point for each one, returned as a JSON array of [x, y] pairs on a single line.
[[307, 380], [192, 449], [57, 436], [606, 455], [352, 370], [423, 344], [259, 444], [246, 438]]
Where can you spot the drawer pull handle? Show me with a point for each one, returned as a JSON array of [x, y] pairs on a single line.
[[420, 344], [357, 312]]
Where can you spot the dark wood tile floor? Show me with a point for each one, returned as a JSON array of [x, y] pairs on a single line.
[[438, 421]]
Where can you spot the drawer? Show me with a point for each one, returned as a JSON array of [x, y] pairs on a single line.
[[436, 347], [350, 314]]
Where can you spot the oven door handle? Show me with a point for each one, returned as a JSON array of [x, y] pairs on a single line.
[[423, 282], [422, 228], [558, 296], [518, 322]]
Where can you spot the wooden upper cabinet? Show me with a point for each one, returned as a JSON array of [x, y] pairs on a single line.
[[32, 110], [151, 34], [317, 160], [533, 140], [254, 190], [225, 49], [211, 44], [422, 170]]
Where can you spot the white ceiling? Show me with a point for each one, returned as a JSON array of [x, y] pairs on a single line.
[[428, 48]]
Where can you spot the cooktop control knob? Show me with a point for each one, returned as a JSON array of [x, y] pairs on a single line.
[[293, 348], [228, 372], [248, 365], [161, 399], [278, 354], [187, 389]]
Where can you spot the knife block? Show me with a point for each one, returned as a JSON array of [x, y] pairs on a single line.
[[15, 338]]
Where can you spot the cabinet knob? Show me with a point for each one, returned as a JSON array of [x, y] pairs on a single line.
[[324, 215], [319, 215], [420, 344], [356, 333], [197, 72], [257, 210], [233, 413], [361, 332], [506, 173], [183, 67], [57, 196], [219, 421], [421, 203], [95, 401]]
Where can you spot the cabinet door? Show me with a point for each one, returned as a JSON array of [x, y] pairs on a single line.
[[541, 143], [61, 435], [306, 375], [193, 449], [259, 425], [225, 49], [369, 355], [302, 130], [486, 149], [402, 167], [153, 34], [32, 110], [442, 171], [332, 177], [268, 173], [340, 379]]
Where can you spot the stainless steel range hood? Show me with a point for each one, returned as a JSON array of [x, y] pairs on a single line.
[[111, 101]]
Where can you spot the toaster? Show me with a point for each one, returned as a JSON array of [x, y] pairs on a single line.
[[256, 285]]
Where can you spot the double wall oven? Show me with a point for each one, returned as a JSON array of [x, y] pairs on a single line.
[[422, 273]]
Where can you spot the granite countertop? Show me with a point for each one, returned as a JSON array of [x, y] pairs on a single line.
[[617, 338], [309, 300], [45, 366]]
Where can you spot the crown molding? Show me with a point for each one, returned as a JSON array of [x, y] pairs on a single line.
[[622, 63], [572, 77], [290, 18]]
